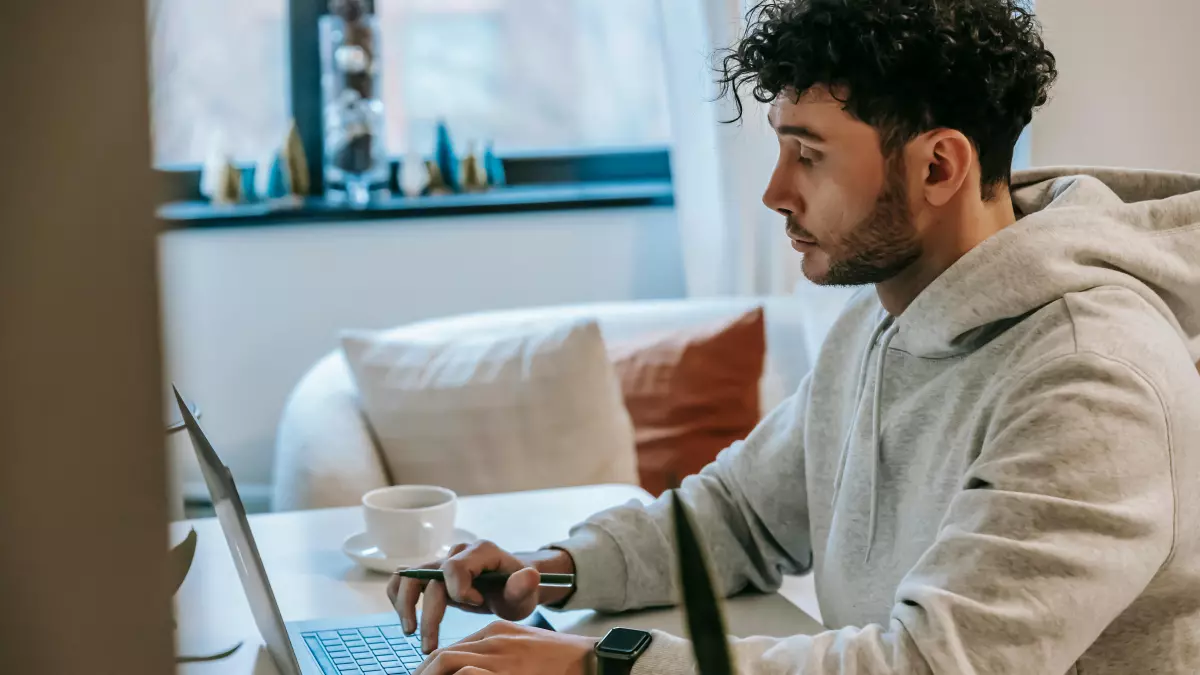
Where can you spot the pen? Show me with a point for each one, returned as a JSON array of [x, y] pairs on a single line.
[[489, 578]]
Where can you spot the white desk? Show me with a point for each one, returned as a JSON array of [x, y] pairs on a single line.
[[312, 578]]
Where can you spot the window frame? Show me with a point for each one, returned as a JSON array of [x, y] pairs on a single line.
[[645, 171]]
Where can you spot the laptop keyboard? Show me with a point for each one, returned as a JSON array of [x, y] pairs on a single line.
[[378, 650]]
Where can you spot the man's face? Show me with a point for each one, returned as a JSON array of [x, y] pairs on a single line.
[[847, 206]]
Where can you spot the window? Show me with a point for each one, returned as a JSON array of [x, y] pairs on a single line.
[[218, 75], [528, 75]]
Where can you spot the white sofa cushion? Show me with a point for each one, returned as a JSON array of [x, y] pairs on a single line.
[[795, 326], [517, 407], [326, 457]]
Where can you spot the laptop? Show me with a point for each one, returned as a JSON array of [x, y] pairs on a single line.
[[364, 645]]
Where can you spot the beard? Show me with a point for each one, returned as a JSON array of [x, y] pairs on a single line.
[[878, 247]]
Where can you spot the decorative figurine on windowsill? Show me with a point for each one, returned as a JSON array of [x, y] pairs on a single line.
[[437, 184], [445, 158], [474, 175], [221, 180], [494, 167], [284, 176]]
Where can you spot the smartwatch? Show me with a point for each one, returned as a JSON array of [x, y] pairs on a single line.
[[616, 653]]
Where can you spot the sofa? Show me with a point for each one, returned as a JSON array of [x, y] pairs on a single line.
[[326, 455]]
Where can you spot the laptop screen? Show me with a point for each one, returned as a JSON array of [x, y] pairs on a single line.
[[232, 516]]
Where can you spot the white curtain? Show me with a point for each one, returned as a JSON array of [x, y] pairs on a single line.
[[732, 244]]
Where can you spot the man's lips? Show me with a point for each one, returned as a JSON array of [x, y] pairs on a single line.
[[808, 241]]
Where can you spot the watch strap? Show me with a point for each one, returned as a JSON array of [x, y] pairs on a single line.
[[610, 666]]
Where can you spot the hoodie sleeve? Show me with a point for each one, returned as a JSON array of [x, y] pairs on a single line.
[[624, 557], [1062, 522]]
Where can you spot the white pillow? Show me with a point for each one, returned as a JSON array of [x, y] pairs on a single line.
[[521, 408]]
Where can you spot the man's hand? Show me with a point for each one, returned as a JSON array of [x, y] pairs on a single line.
[[513, 601], [512, 649]]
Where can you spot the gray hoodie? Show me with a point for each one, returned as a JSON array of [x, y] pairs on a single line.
[[1003, 479]]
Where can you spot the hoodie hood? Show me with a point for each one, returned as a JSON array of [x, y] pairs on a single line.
[[1079, 229]]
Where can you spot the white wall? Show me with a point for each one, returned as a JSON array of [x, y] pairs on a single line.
[[248, 310], [1129, 87]]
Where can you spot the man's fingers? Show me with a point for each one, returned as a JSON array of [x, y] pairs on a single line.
[[432, 611], [461, 569], [393, 589], [520, 595], [478, 641], [406, 603], [406, 596], [522, 585], [449, 662]]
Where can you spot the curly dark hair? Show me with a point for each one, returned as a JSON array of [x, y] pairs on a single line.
[[904, 67]]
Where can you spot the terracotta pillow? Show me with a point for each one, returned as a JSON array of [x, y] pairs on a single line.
[[690, 394]]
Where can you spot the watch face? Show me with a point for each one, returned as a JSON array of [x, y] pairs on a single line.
[[624, 641]]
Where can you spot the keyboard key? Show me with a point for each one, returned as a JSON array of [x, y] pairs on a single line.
[[343, 659], [348, 631], [391, 631], [369, 632], [345, 667], [374, 640], [314, 646], [328, 635], [372, 669], [401, 670]]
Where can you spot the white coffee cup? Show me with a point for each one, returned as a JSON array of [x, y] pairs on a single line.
[[411, 521]]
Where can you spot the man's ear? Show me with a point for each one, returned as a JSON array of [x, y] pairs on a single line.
[[946, 158]]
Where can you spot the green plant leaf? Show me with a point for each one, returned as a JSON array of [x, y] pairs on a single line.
[[214, 657], [181, 560], [705, 622]]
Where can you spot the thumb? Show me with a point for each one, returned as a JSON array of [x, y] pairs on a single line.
[[522, 587]]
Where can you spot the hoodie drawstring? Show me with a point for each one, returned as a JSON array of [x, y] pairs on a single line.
[[876, 437], [858, 396]]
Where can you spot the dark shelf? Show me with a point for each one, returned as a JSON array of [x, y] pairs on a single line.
[[512, 199]]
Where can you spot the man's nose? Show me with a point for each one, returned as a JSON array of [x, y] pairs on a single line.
[[780, 196]]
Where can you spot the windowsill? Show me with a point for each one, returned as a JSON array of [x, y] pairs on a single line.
[[509, 199]]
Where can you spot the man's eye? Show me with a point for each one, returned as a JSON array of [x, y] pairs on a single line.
[[809, 157]]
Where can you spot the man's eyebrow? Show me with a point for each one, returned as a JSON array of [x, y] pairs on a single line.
[[800, 132]]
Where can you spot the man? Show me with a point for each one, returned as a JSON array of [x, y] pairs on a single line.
[[994, 465]]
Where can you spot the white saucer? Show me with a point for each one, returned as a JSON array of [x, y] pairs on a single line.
[[364, 552]]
